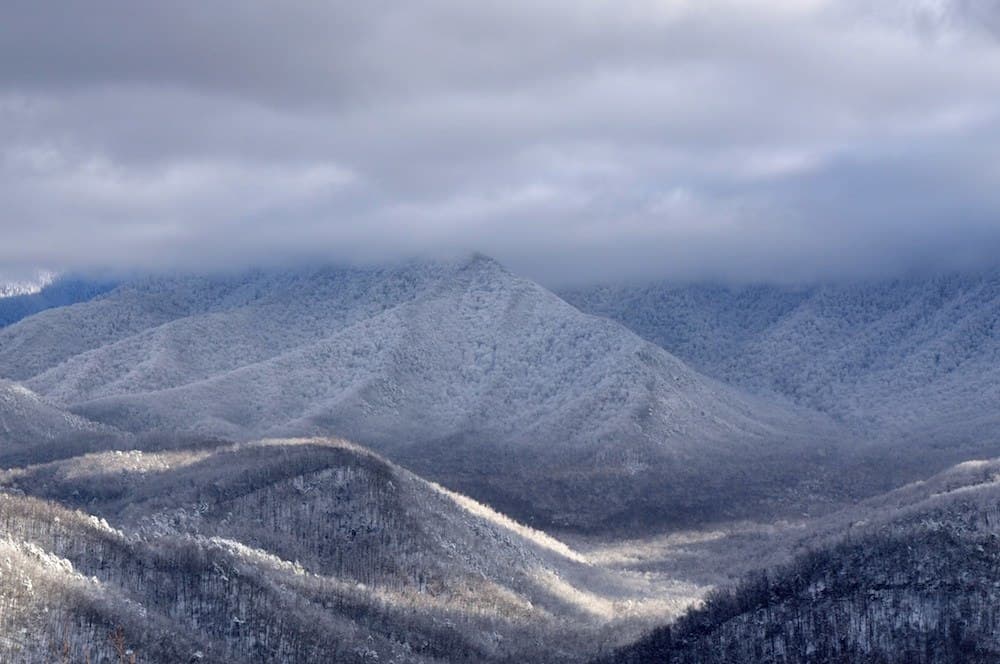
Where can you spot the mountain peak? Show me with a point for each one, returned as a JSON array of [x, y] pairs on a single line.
[[480, 260]]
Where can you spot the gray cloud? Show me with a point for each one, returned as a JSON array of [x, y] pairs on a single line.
[[781, 139]]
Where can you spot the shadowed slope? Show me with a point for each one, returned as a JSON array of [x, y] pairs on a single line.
[[33, 430], [911, 576]]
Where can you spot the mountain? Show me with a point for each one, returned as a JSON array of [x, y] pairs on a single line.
[[174, 489], [916, 579], [33, 430], [19, 303], [467, 373], [904, 358], [283, 550]]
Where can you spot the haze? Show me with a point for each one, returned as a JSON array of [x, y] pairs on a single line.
[[575, 141]]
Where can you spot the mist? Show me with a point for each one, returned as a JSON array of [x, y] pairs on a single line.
[[584, 141]]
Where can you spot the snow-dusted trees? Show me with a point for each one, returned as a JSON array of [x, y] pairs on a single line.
[[913, 593], [280, 551]]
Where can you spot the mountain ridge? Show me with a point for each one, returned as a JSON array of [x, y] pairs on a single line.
[[400, 358], [896, 358]]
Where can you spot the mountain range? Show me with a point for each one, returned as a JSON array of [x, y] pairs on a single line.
[[532, 476], [468, 374]]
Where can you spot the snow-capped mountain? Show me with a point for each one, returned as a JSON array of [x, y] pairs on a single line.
[[457, 366], [914, 357]]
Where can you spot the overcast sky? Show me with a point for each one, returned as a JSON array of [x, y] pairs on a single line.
[[572, 139]]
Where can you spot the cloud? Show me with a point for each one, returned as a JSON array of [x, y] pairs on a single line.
[[574, 140]]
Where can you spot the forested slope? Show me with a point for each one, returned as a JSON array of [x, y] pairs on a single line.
[[33, 430], [287, 550], [903, 357], [915, 579]]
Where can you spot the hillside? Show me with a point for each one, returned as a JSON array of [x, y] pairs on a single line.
[[288, 550], [25, 417], [475, 377], [900, 358], [912, 576], [33, 430]]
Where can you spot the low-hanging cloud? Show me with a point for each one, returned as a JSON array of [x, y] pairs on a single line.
[[724, 139]]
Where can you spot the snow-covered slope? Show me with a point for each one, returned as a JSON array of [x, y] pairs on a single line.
[[457, 366], [291, 550], [475, 349], [906, 357], [34, 430], [200, 325], [25, 417]]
